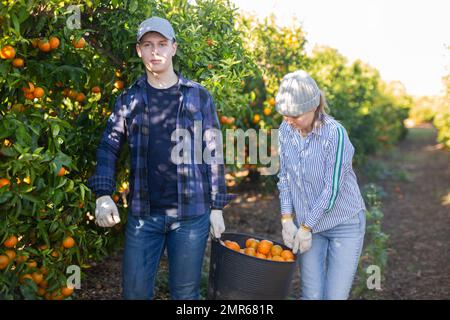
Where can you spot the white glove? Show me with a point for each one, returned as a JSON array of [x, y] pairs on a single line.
[[217, 223], [289, 232], [303, 240], [106, 212]]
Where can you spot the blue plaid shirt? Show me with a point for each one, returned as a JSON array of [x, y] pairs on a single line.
[[201, 187]]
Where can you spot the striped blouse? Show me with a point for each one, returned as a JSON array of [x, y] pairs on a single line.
[[316, 177]]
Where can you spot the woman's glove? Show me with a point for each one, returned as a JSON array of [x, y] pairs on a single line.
[[289, 231], [303, 240], [106, 212], [217, 223]]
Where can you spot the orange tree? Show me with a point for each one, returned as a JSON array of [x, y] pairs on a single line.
[[57, 87], [357, 96]]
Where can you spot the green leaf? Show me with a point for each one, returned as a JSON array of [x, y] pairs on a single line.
[[30, 198], [55, 129], [5, 197], [16, 24]]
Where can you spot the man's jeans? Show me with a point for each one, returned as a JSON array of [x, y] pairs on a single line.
[[145, 241], [328, 268]]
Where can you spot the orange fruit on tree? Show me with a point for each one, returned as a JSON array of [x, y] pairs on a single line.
[[223, 119], [267, 111], [32, 264], [72, 94], [30, 88], [79, 44], [25, 276], [118, 73], [38, 92], [54, 42], [7, 52], [272, 102], [41, 292], [29, 95], [287, 254], [18, 63], [68, 242], [80, 97], [43, 284], [44, 46], [96, 89], [230, 120], [35, 42], [61, 172], [43, 270], [4, 182], [119, 84], [11, 254], [264, 246], [43, 247], [276, 250], [256, 118], [11, 242], [21, 258], [210, 66], [4, 261], [56, 296], [37, 277], [66, 291]]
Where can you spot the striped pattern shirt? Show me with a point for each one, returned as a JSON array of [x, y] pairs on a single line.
[[316, 177]]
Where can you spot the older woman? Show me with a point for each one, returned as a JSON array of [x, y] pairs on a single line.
[[319, 188]]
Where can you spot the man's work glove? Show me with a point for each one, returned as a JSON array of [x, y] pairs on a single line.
[[303, 240], [106, 212], [289, 230], [217, 223]]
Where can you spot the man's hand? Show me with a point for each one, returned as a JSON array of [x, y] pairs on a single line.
[[289, 232], [217, 223], [303, 240], [106, 212]]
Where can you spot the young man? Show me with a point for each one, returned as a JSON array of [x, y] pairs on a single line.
[[172, 204]]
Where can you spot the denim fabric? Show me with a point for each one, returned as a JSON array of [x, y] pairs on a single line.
[[146, 238], [328, 268]]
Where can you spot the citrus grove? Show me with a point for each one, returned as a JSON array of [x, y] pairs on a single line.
[[57, 88]]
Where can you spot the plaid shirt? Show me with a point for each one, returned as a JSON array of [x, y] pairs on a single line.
[[201, 187]]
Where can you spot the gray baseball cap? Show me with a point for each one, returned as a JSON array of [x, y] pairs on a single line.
[[156, 24]]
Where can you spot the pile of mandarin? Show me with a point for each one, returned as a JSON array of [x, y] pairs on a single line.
[[264, 249]]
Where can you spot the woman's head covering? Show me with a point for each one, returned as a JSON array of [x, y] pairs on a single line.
[[298, 94]]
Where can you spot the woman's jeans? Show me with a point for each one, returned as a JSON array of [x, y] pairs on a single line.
[[328, 268], [145, 241]]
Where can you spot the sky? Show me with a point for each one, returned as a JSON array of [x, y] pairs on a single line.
[[406, 40]]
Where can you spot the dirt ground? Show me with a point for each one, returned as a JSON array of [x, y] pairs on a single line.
[[417, 220]]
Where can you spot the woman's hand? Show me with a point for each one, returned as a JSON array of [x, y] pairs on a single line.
[[289, 230], [303, 240]]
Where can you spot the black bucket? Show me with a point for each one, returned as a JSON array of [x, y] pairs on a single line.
[[236, 276]]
